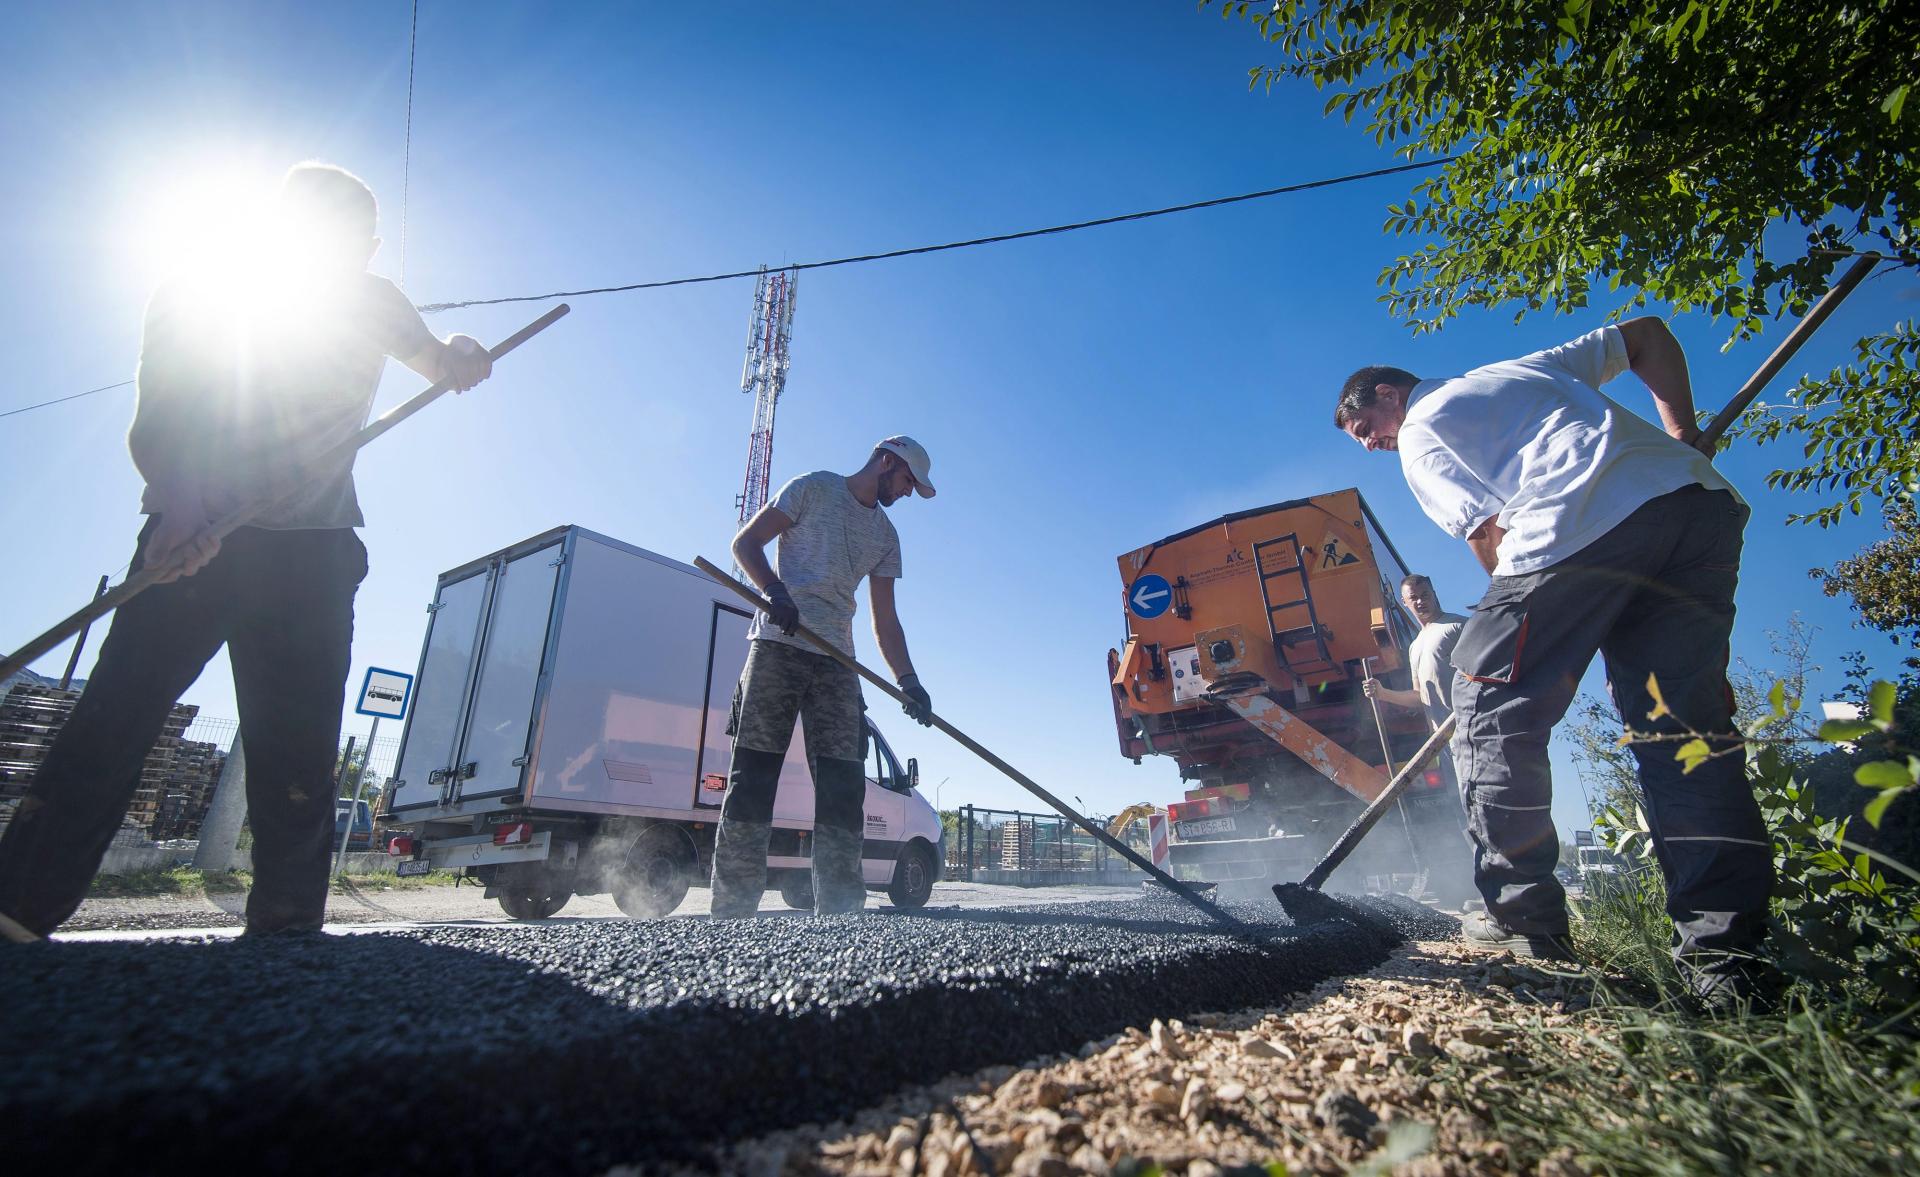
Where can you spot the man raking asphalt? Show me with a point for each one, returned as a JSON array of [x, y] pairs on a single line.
[[906, 700], [1602, 533]]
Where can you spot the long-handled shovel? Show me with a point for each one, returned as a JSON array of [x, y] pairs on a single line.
[[323, 459], [1116, 845], [1302, 900]]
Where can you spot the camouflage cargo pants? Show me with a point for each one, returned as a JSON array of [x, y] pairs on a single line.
[[781, 683]]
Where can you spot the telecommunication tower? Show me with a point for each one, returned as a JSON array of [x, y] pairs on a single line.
[[764, 375]]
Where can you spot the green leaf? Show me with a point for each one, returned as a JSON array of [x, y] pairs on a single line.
[[1880, 704], [1844, 731], [1777, 700], [1883, 774], [1895, 101], [1693, 754], [1660, 708]]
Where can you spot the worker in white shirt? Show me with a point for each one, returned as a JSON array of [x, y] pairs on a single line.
[[1603, 533]]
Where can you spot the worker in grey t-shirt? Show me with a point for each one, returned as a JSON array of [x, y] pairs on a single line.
[[832, 532], [1430, 656]]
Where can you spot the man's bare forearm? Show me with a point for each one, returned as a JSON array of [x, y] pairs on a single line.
[[1397, 697], [892, 641], [752, 559], [1657, 358]]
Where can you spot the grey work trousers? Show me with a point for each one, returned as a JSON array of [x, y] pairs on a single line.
[[779, 684], [1654, 596]]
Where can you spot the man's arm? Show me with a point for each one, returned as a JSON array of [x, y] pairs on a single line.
[[749, 546], [1658, 359], [1485, 542], [886, 627], [1376, 689], [460, 360], [893, 647]]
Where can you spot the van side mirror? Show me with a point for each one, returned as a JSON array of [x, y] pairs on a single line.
[[913, 772]]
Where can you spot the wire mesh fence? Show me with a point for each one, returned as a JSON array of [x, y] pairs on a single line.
[[996, 842]]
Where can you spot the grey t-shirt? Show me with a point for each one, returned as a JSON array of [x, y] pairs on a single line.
[[833, 545], [1431, 656], [237, 386]]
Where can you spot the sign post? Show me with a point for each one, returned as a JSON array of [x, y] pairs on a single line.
[[384, 694]]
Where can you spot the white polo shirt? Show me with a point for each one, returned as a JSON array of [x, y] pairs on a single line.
[[1534, 442]]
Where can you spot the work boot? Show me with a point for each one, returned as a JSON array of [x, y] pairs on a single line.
[[1730, 985], [739, 867], [1481, 931], [837, 886]]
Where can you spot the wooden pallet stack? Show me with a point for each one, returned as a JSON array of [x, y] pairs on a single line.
[[196, 770], [31, 716]]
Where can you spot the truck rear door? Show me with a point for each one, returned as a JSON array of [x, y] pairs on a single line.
[[479, 679]]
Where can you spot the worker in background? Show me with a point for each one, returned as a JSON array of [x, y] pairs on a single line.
[[833, 532], [1602, 533], [243, 376], [1430, 656]]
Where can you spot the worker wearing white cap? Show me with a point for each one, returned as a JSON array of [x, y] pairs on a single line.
[[832, 532]]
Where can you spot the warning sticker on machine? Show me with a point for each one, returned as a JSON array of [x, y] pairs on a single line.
[[1332, 553]]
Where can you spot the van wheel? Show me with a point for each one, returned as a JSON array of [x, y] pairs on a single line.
[[912, 878], [656, 875], [534, 900], [798, 892]]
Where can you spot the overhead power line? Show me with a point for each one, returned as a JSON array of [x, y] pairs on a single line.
[[434, 307], [1216, 202], [61, 400], [406, 158]]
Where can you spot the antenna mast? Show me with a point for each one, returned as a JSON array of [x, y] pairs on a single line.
[[765, 375]]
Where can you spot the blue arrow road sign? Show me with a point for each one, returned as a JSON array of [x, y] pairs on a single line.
[[1149, 596]]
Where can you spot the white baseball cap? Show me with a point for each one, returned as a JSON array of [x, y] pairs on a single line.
[[915, 456]]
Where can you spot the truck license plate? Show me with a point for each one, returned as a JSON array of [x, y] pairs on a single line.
[[413, 866], [1200, 829]]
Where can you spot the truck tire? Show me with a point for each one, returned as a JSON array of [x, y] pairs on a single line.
[[533, 900], [657, 874], [912, 881], [797, 890]]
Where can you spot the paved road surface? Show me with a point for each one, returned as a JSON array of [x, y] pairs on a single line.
[[568, 1046]]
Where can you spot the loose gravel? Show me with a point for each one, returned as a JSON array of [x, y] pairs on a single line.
[[1391, 1070], [575, 1047]]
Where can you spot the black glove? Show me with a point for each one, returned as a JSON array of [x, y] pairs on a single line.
[[784, 615], [919, 704]]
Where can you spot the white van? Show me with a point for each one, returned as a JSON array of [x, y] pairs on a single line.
[[568, 736]]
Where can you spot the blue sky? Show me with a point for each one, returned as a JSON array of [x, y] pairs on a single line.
[[1081, 395]]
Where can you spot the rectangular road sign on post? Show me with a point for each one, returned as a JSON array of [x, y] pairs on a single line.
[[385, 694]]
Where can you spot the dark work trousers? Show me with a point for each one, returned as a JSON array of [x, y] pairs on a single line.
[[282, 602], [1654, 596]]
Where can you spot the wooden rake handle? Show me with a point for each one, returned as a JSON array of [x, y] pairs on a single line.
[[226, 525]]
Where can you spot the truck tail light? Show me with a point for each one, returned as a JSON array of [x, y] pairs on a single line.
[[513, 833], [1189, 810], [402, 846]]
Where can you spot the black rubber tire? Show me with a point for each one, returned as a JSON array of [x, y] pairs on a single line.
[[797, 891], [913, 876], [533, 901], [659, 871]]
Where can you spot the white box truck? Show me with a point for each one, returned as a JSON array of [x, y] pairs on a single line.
[[568, 735]]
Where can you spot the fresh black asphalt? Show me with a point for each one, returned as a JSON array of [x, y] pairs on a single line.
[[572, 1047]]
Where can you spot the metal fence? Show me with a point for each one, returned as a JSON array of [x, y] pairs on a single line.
[[999, 842]]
